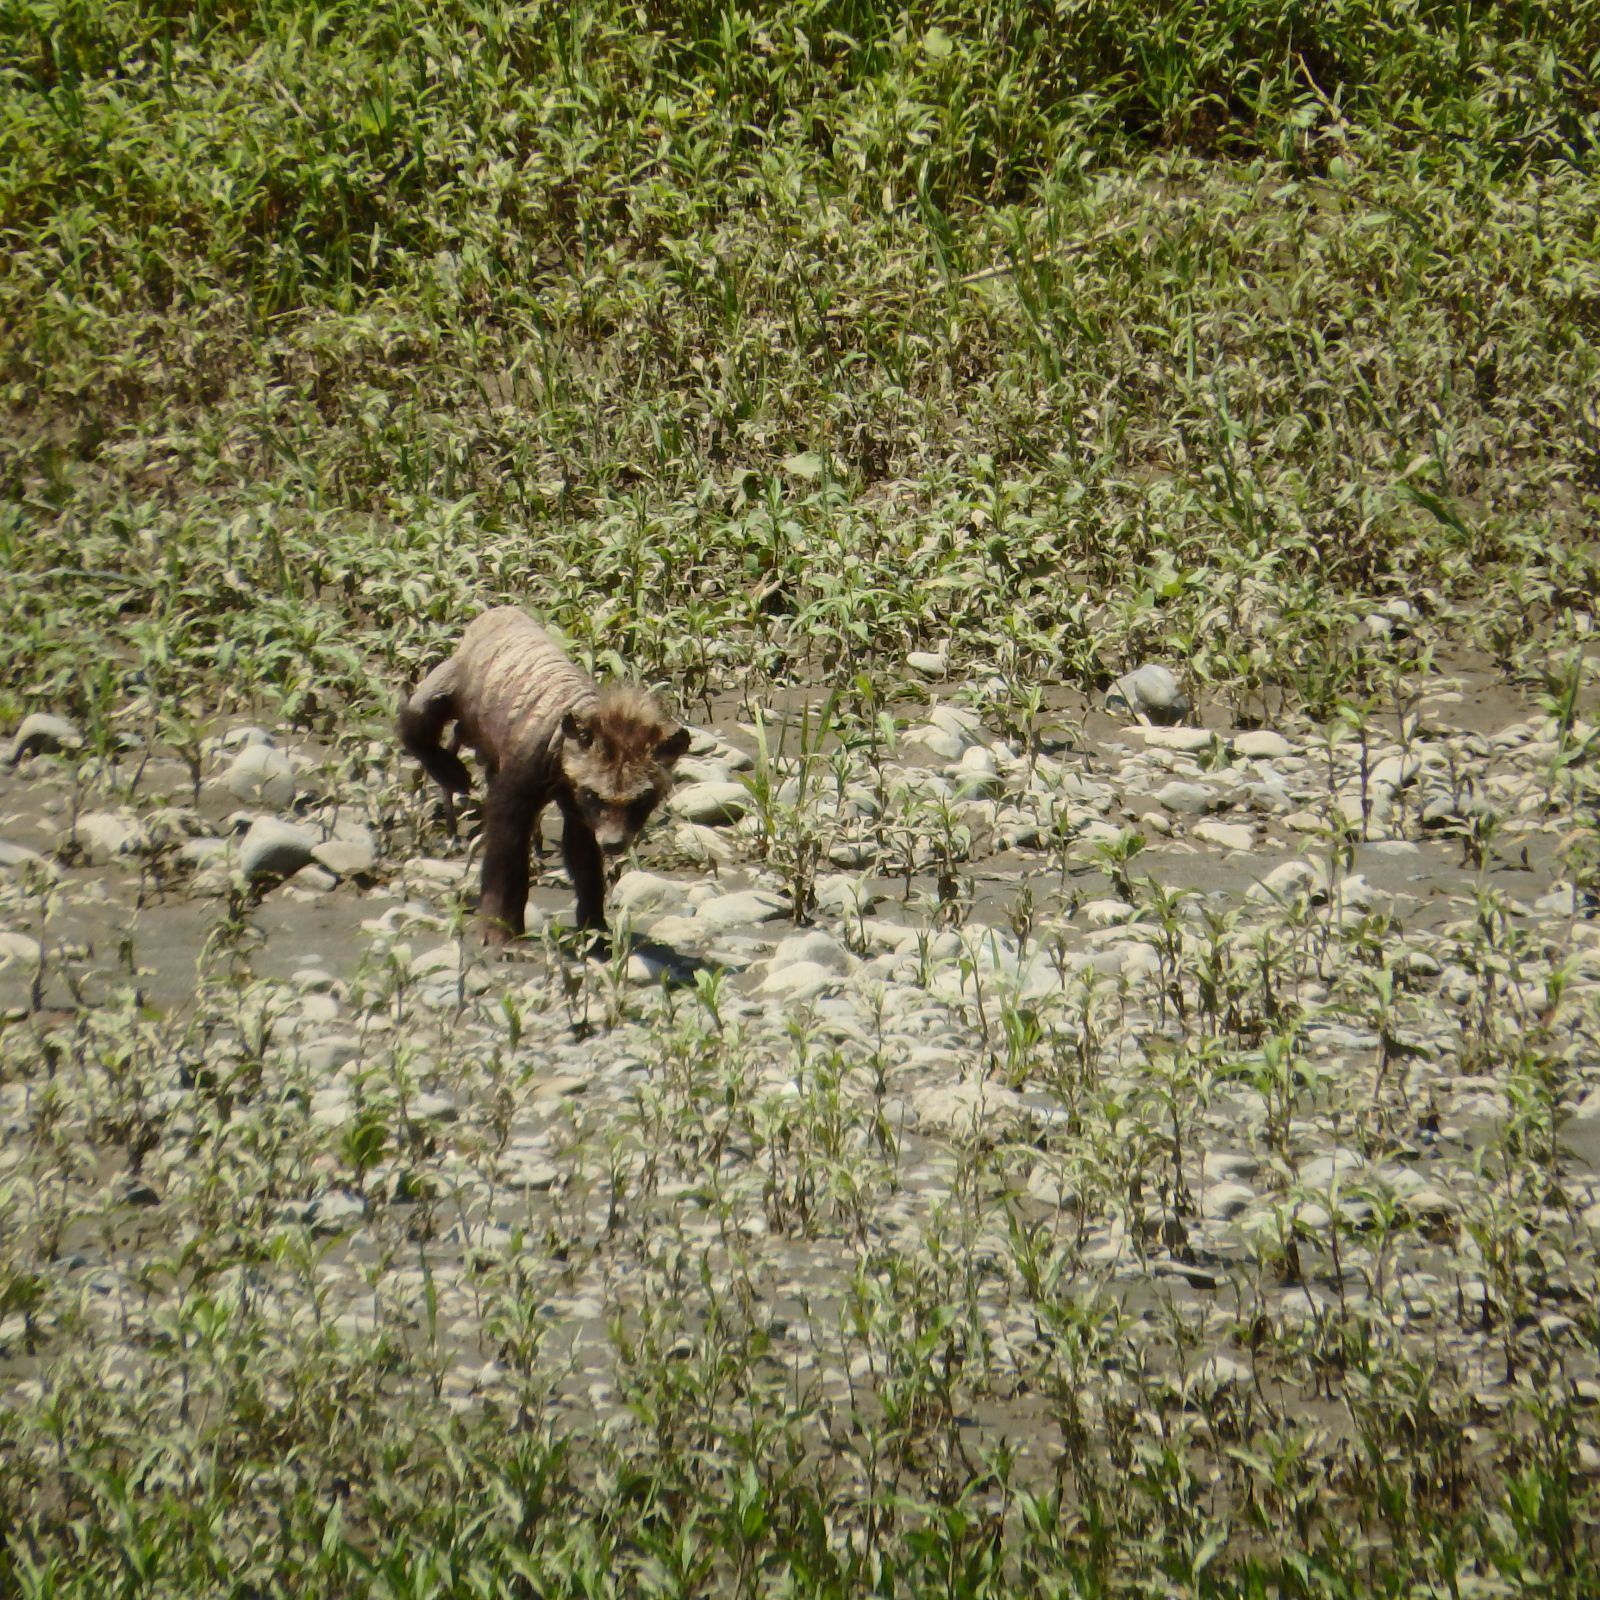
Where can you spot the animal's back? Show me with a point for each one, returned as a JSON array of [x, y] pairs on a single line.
[[517, 685]]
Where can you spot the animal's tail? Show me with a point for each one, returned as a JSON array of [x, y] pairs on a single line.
[[421, 727]]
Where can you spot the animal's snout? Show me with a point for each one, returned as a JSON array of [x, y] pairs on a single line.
[[612, 834]]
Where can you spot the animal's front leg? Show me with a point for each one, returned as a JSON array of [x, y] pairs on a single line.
[[586, 867], [509, 814]]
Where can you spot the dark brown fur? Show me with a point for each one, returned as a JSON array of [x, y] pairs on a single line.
[[543, 732]]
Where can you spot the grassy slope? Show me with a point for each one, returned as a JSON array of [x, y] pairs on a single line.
[[324, 325]]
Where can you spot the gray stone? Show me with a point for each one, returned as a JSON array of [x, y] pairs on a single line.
[[939, 742], [641, 893], [1446, 809], [105, 835], [43, 734], [442, 958], [346, 858], [260, 775], [1322, 1171], [1226, 1200], [818, 947], [1187, 799], [799, 980], [203, 852], [1289, 879], [711, 804], [327, 1055], [274, 849], [1107, 913], [1150, 691], [966, 1110], [1394, 772], [1184, 740], [1262, 744], [336, 1212], [1215, 1165], [958, 720], [433, 1108], [735, 910], [333, 1107], [648, 970], [1226, 835], [18, 948], [701, 769], [14, 856]]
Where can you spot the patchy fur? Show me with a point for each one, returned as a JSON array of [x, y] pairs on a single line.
[[543, 731]]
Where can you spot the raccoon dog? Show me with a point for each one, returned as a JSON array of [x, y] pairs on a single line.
[[544, 731]]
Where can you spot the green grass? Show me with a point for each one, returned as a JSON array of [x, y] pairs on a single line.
[[756, 348], [325, 326]]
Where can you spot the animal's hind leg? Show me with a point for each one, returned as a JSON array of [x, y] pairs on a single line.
[[422, 722]]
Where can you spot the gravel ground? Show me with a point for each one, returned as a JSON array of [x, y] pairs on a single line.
[[1274, 1064]]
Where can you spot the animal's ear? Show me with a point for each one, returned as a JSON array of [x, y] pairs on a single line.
[[579, 730], [673, 746]]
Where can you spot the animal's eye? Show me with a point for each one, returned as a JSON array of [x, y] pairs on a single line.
[[588, 799]]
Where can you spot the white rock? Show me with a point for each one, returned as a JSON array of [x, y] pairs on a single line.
[[444, 958], [260, 775], [939, 742], [1289, 879], [17, 949], [14, 856], [43, 734], [1262, 744], [1221, 1372], [105, 835], [929, 663], [1394, 772], [1239, 1165], [1225, 1200], [1354, 890], [1149, 691], [844, 896], [736, 910], [966, 1110], [711, 804], [1188, 799], [647, 970], [1107, 913], [1321, 1171], [709, 846], [1181, 739], [676, 931], [346, 858], [958, 720], [701, 769], [335, 1212], [1561, 901], [203, 852], [642, 893], [799, 980], [275, 849], [1226, 835], [433, 1108], [817, 947]]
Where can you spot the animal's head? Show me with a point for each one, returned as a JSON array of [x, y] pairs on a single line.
[[618, 760]]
